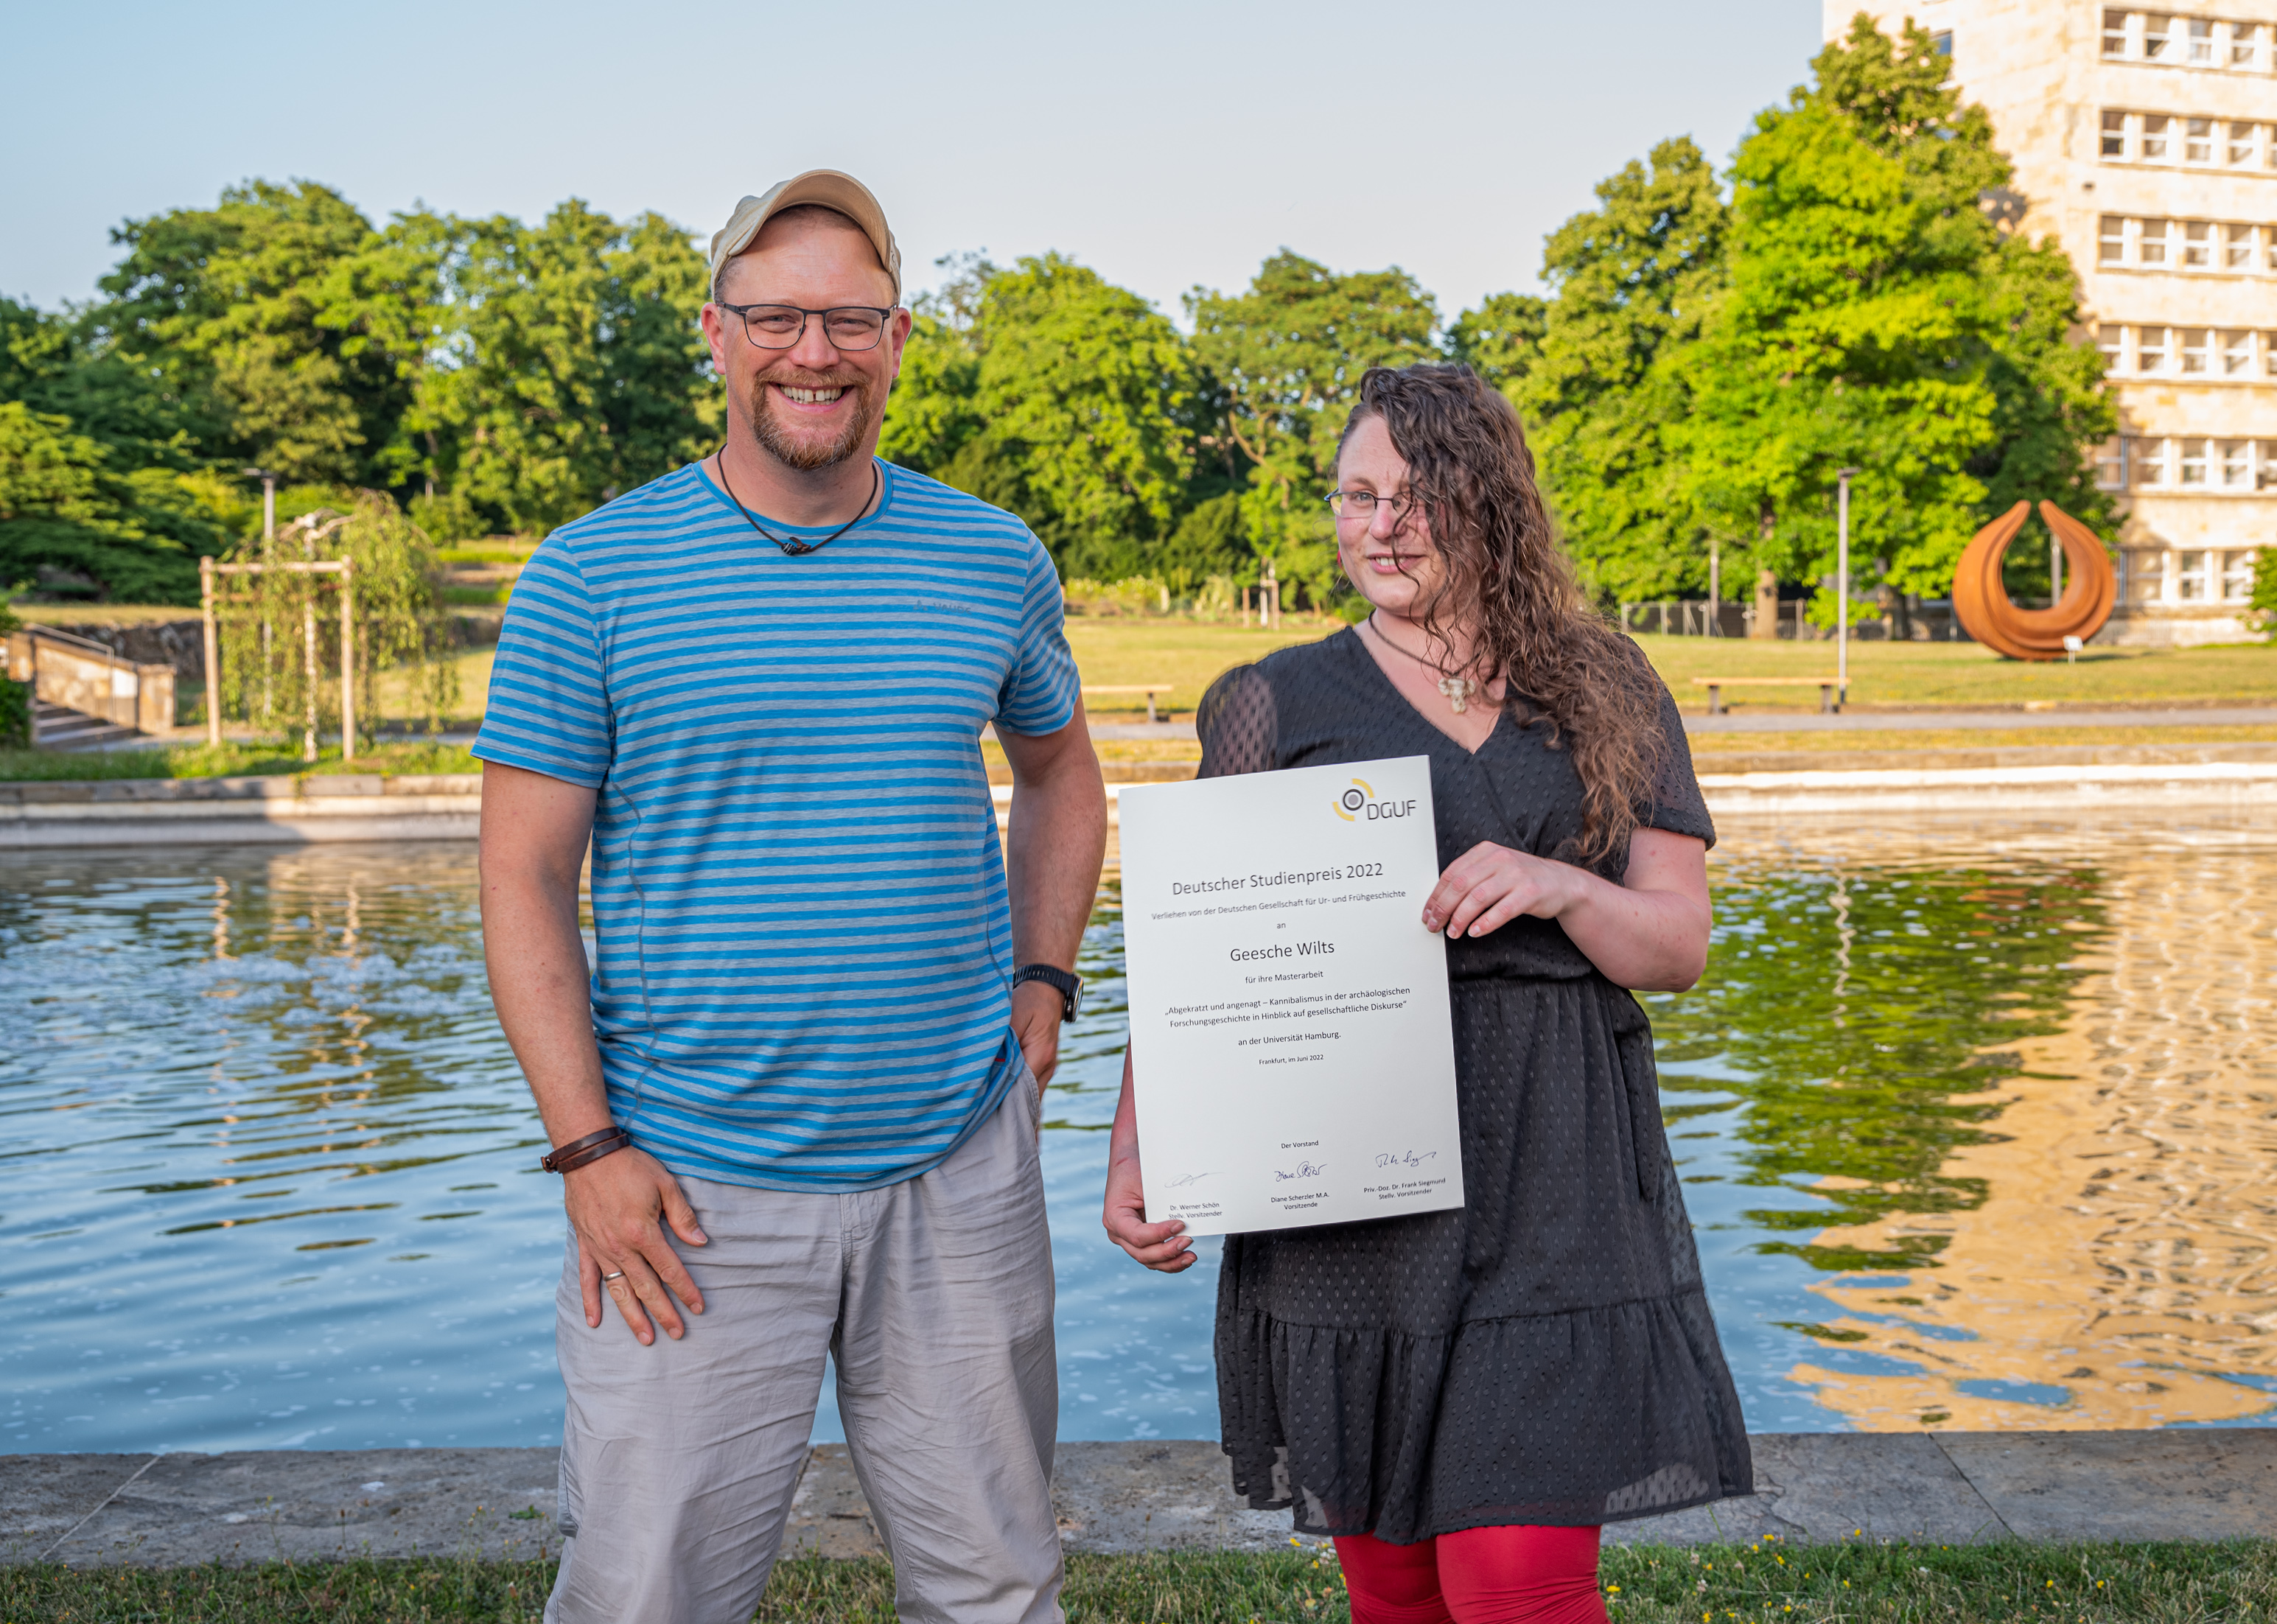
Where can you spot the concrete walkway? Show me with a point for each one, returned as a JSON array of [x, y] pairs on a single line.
[[1949, 1488]]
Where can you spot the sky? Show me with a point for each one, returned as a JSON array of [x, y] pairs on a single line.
[[1169, 145]]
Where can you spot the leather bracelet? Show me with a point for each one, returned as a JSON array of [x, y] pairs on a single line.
[[578, 1152]]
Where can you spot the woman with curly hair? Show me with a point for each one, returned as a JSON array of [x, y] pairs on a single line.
[[1462, 1398]]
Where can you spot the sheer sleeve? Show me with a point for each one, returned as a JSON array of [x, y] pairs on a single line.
[[1238, 724], [1677, 806]]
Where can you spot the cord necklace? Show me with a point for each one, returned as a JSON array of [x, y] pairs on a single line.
[[792, 547], [1459, 690]]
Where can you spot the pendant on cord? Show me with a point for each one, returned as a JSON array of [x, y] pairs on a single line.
[[1458, 691]]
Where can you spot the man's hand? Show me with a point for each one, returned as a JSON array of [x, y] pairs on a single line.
[[1036, 1008], [614, 1207]]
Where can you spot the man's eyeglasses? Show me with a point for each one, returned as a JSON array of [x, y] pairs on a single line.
[[781, 326], [1359, 506]]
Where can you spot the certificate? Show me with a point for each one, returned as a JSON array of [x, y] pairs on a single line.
[[1292, 1052]]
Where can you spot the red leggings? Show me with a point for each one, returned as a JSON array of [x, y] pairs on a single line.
[[1518, 1574]]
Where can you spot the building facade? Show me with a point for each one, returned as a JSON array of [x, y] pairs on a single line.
[[2145, 142]]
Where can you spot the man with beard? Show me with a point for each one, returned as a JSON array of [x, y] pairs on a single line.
[[795, 1104]]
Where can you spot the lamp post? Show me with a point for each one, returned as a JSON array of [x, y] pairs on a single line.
[[268, 501], [1842, 477]]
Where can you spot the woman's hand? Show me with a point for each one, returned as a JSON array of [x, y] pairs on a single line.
[[1165, 1247], [1649, 933], [1488, 885]]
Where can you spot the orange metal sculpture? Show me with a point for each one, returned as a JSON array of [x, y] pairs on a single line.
[[1982, 603]]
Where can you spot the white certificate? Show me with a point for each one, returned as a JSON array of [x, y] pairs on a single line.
[[1291, 1047]]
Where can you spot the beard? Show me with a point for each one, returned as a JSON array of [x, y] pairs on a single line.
[[806, 454]]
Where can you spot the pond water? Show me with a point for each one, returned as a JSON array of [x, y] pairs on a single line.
[[1976, 1125]]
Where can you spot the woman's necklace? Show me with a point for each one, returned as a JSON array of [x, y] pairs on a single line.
[[791, 547], [1459, 690]]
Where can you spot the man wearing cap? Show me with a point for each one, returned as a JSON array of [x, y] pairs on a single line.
[[795, 1103]]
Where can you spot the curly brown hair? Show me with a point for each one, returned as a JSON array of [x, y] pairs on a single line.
[[1508, 580]]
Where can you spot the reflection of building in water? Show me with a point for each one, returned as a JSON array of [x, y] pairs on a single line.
[[2122, 1270]]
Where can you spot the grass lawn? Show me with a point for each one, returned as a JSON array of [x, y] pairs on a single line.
[[230, 761], [1841, 740], [1853, 1582], [1928, 675], [1908, 675]]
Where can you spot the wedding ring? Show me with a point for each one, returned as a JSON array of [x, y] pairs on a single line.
[[618, 1276]]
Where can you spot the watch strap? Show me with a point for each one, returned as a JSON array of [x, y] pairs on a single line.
[[1067, 983]]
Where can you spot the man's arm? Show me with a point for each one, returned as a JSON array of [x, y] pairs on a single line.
[[533, 834], [1054, 847]]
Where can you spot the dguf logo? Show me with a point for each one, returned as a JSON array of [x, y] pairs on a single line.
[[1358, 803]]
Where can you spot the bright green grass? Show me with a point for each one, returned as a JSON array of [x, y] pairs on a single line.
[[230, 761], [1859, 1582]]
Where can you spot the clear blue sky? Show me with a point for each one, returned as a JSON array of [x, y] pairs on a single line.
[[1167, 145]]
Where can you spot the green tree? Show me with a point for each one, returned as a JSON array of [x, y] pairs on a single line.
[[225, 310], [1879, 315], [1607, 382], [1051, 391], [1288, 355], [1500, 340], [574, 369]]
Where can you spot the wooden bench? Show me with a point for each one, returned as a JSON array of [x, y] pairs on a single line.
[[1149, 688], [1716, 685]]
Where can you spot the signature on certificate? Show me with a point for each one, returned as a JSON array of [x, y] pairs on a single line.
[[1304, 1170], [1180, 1184], [1406, 1158]]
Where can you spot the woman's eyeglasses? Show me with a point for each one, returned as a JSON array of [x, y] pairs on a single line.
[[1359, 506]]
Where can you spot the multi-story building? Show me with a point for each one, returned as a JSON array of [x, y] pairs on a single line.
[[2145, 142]]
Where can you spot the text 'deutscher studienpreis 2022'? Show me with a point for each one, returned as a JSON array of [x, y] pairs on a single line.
[[1292, 1048]]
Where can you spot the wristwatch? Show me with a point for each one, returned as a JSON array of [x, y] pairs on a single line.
[[1070, 985]]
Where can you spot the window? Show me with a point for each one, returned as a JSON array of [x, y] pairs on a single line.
[[2142, 574], [2193, 575], [2237, 575], [2269, 353], [2241, 142], [2112, 250], [2198, 245], [2241, 44], [2149, 458], [2154, 242], [2114, 34], [2236, 354], [2114, 137], [2111, 464], [2155, 126], [2237, 247], [2268, 465], [2237, 471], [2269, 235], [2155, 37], [2194, 349], [2194, 461], [2201, 42], [2151, 350], [1941, 42], [2111, 339], [2197, 141]]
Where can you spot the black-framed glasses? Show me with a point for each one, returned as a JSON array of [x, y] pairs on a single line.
[[1360, 506], [781, 326]]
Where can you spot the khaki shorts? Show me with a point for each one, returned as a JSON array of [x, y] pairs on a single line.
[[934, 1298]]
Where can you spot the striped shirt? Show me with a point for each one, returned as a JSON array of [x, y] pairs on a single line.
[[804, 957]]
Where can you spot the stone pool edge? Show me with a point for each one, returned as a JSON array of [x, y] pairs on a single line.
[[1948, 1488], [348, 806]]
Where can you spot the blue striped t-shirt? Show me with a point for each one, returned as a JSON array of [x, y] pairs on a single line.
[[805, 948]]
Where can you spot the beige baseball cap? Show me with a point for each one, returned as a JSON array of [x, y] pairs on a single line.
[[829, 187]]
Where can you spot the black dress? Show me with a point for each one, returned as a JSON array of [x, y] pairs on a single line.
[[1545, 1354]]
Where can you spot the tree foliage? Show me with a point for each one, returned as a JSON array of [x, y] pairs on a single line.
[[1879, 316], [1632, 281]]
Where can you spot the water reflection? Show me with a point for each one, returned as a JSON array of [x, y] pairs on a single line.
[[1974, 1123], [2096, 1250]]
